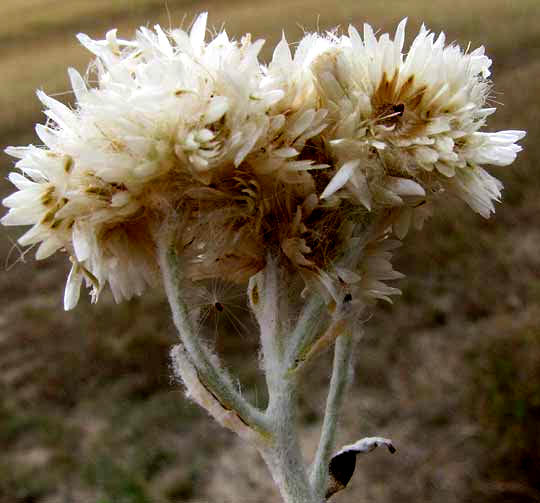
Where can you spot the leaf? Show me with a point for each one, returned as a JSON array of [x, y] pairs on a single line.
[[343, 463]]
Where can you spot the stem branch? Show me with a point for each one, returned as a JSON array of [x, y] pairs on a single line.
[[338, 383], [309, 327], [207, 366]]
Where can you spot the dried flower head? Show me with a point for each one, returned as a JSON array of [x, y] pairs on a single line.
[[315, 157]]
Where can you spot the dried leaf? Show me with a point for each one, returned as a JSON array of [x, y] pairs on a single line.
[[343, 463]]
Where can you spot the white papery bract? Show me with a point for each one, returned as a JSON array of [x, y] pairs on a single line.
[[297, 117], [346, 132]]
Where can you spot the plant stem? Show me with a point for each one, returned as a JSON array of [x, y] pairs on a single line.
[[284, 460], [207, 366], [206, 379], [268, 300], [342, 361], [265, 301], [310, 325]]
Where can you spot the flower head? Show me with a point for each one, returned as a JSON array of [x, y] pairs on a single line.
[[169, 114], [405, 127], [316, 157]]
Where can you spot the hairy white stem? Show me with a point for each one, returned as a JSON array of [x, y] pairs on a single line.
[[264, 299], [284, 459], [311, 324], [341, 370], [199, 393], [210, 373], [274, 432], [283, 456], [316, 345]]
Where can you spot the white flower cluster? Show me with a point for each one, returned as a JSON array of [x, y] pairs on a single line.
[[346, 138]]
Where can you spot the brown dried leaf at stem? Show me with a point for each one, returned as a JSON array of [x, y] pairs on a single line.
[[343, 463]]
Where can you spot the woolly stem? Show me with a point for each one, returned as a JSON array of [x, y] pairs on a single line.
[[211, 387], [269, 302], [338, 383], [309, 327], [284, 459], [207, 366]]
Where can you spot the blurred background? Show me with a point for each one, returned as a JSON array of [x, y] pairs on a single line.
[[451, 371]]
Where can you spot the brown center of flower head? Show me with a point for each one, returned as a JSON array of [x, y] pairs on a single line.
[[399, 105], [389, 114]]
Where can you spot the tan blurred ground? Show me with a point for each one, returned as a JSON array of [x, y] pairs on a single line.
[[451, 372]]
